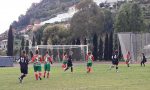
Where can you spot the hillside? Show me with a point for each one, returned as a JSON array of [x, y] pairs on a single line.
[[44, 10]]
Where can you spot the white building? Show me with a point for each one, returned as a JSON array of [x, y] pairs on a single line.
[[3, 44]]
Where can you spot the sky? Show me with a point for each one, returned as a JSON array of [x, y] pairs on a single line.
[[10, 10]]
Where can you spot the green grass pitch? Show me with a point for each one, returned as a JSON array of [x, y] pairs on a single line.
[[132, 78]]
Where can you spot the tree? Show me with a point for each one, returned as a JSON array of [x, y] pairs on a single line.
[[100, 49], [10, 42], [38, 39], [95, 45], [110, 45], [27, 46], [56, 34], [87, 22], [33, 41], [129, 18], [22, 43], [106, 49]]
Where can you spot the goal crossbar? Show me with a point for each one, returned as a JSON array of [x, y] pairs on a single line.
[[60, 47]]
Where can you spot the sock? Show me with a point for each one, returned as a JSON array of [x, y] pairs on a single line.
[[36, 76], [44, 74], [48, 74], [87, 69], [71, 69], [40, 74], [90, 69], [22, 76], [116, 68]]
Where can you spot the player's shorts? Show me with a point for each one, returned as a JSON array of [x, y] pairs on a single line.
[[64, 62], [69, 64], [37, 68], [127, 62], [24, 70], [115, 62], [47, 67], [89, 64]]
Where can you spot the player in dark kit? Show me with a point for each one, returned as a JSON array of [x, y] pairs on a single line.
[[115, 61], [144, 60], [23, 61], [69, 64]]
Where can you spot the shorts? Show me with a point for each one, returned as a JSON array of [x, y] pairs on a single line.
[[115, 62], [37, 68], [47, 67], [24, 70], [127, 62], [89, 64], [69, 64], [64, 62]]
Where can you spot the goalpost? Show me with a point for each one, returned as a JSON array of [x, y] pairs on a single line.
[[78, 52]]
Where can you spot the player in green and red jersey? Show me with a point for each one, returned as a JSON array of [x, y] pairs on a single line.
[[90, 59], [65, 58], [47, 66], [37, 60]]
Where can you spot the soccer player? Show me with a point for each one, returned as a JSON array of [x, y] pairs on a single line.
[[128, 59], [69, 64], [47, 66], [23, 61], [65, 58], [115, 61], [144, 60], [37, 60], [90, 59]]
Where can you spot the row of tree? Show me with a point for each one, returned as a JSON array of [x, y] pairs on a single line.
[[95, 26]]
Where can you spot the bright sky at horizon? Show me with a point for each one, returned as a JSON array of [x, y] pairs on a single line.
[[11, 9]]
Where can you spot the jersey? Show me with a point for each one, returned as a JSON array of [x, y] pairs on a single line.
[[47, 59], [37, 60], [23, 61], [128, 57], [90, 58], [65, 59], [115, 58]]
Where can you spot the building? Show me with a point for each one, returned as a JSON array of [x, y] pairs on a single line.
[[3, 44]]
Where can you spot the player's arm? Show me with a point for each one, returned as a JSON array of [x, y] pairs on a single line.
[[32, 59], [92, 58], [50, 60], [41, 59], [18, 60]]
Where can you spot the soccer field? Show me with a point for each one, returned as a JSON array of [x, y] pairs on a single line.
[[133, 78]]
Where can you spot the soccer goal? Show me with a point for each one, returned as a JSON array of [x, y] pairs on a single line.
[[135, 43], [78, 52]]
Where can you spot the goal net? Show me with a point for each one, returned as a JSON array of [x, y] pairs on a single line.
[[78, 52], [135, 43]]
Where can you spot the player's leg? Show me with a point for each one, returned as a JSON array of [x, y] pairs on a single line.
[[128, 64], [66, 68], [48, 70], [87, 67], [35, 72], [144, 63], [116, 66], [141, 63], [24, 73], [39, 71], [71, 68], [45, 68], [90, 68], [20, 79]]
